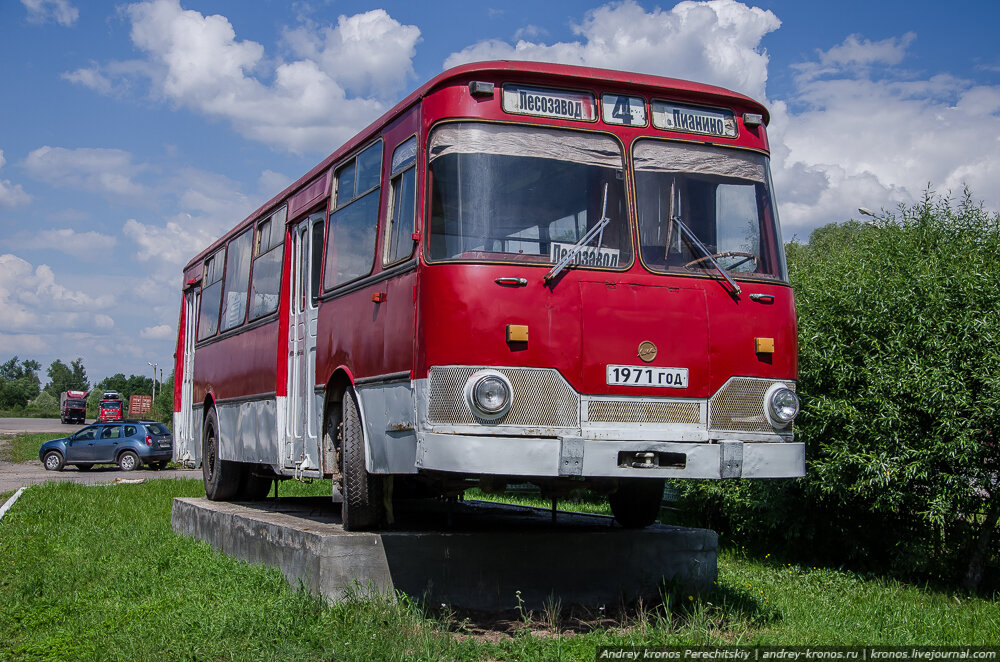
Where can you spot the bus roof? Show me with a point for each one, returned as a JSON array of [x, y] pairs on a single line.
[[608, 78]]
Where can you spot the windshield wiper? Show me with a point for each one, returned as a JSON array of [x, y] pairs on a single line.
[[704, 249], [574, 250]]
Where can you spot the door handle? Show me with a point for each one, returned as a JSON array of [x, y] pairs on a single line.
[[511, 281]]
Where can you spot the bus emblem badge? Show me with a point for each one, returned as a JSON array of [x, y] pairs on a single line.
[[647, 351]]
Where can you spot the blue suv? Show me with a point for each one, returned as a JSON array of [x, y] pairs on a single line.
[[129, 444]]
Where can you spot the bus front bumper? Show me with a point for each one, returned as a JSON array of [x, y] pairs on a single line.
[[587, 458]]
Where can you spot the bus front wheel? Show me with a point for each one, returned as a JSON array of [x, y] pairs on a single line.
[[636, 502], [362, 505], [221, 477]]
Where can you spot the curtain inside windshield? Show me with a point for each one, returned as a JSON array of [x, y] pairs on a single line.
[[516, 193], [722, 196]]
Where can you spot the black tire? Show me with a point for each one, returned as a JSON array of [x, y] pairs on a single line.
[[84, 467], [636, 502], [53, 461], [129, 461], [362, 507], [221, 477], [254, 486]]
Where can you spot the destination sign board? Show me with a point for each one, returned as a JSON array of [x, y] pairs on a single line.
[[694, 119], [563, 104]]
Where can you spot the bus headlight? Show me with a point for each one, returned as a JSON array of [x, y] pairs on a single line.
[[781, 404], [488, 393]]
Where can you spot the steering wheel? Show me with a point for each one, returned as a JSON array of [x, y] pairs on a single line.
[[746, 258]]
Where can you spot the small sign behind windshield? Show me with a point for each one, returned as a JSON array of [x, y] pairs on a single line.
[[549, 103], [588, 256], [692, 119]]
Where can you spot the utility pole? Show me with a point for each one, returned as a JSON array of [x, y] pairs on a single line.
[[154, 377]]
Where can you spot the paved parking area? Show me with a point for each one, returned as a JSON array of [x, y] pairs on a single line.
[[22, 474]]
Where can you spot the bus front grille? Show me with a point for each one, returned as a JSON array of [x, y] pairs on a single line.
[[739, 406], [540, 398], [639, 411]]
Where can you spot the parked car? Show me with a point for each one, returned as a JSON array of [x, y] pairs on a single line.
[[129, 444], [109, 410]]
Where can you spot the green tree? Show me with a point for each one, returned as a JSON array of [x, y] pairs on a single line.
[[899, 375], [163, 405], [45, 402], [18, 383], [62, 377]]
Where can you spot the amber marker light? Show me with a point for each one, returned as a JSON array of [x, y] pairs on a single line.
[[764, 345], [517, 333]]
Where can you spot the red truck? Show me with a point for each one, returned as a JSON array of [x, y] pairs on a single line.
[[111, 407], [72, 406]]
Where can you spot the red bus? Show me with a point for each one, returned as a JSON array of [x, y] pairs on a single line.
[[521, 273]]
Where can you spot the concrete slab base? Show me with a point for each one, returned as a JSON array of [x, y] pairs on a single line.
[[472, 555]]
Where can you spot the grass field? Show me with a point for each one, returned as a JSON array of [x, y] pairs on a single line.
[[97, 573], [24, 447]]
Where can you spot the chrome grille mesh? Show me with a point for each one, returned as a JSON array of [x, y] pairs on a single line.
[[739, 406], [635, 411], [540, 398]]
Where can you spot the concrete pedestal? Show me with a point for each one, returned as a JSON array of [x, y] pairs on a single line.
[[473, 555]]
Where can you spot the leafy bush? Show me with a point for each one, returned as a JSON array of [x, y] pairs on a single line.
[[899, 373], [45, 404]]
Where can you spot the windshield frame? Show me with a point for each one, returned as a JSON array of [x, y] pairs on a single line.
[[741, 165], [624, 223]]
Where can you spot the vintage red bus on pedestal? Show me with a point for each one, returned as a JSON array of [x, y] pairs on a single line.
[[521, 273]]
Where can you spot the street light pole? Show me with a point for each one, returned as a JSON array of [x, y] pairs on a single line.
[[154, 377]]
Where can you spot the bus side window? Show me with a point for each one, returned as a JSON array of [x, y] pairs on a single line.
[[350, 252], [234, 299], [400, 225], [266, 282], [211, 296]]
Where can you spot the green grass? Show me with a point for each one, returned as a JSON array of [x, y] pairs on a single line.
[[585, 503], [97, 573], [24, 447]]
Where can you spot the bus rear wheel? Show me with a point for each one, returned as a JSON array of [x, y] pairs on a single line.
[[221, 477], [636, 502], [362, 505]]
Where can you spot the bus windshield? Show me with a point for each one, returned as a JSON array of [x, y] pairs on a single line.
[[526, 194], [720, 195]]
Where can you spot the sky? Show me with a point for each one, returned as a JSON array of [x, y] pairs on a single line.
[[132, 134]]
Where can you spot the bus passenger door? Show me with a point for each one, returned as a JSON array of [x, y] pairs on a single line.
[[185, 437], [302, 448]]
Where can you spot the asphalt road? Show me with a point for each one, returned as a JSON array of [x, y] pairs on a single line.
[[22, 474], [33, 425]]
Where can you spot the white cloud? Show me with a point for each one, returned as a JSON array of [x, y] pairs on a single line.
[[273, 181], [161, 332], [84, 245], [92, 78], [60, 11], [856, 50], [715, 42], [311, 104], [379, 49], [107, 171], [170, 245], [11, 195], [33, 302], [865, 133]]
